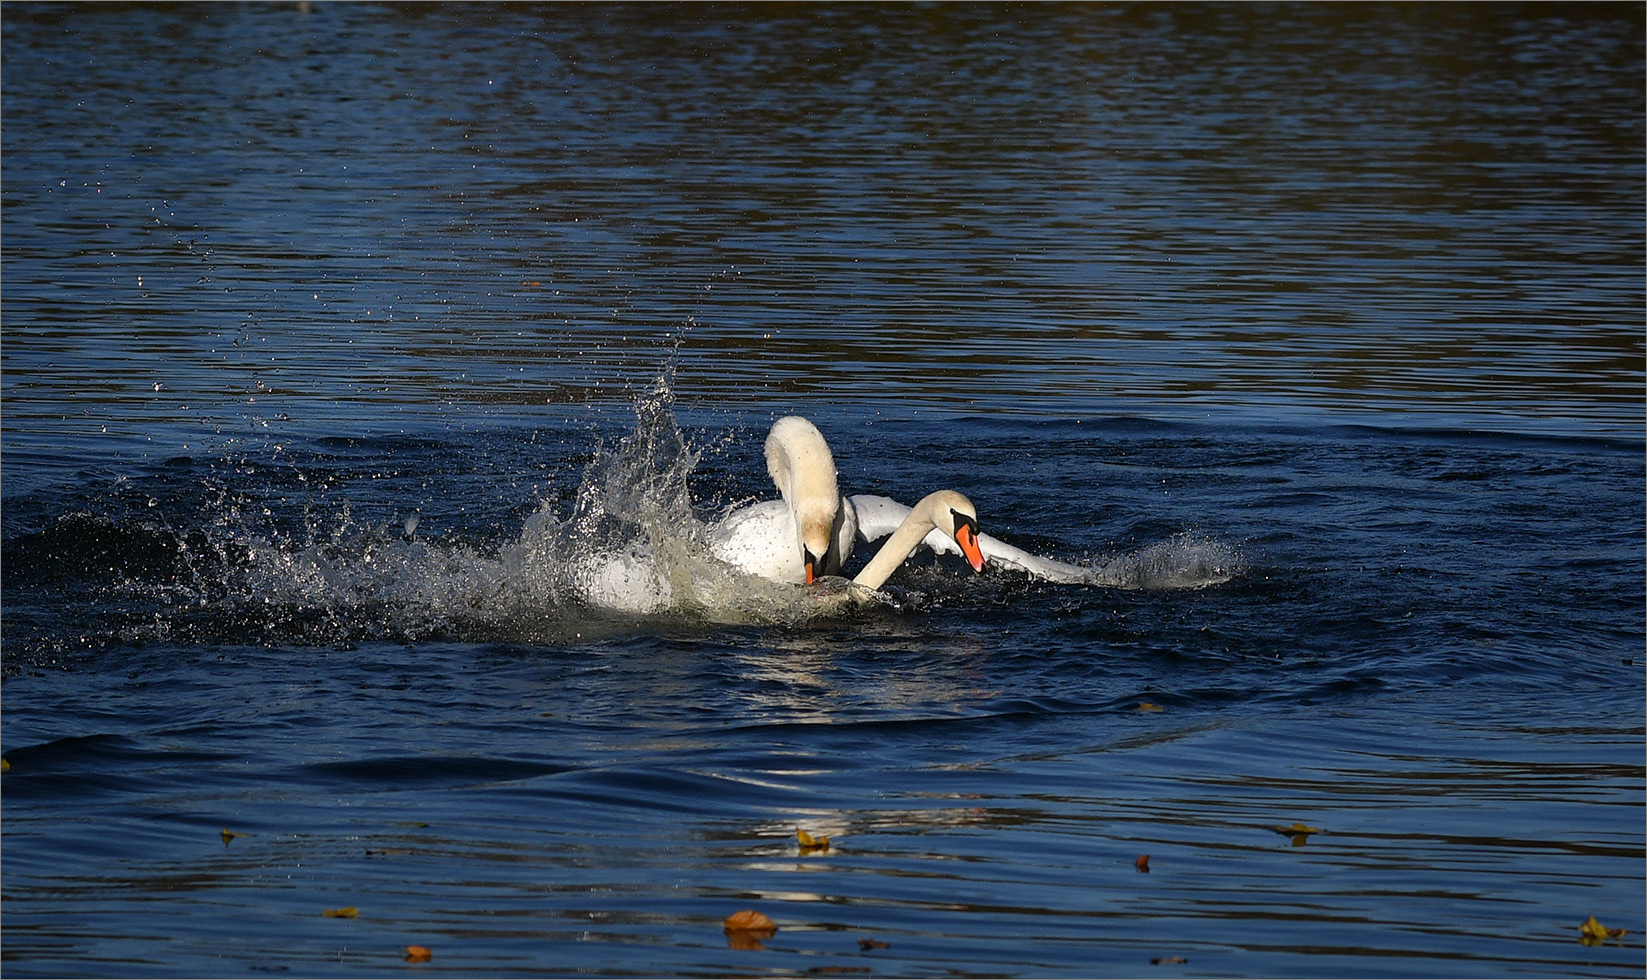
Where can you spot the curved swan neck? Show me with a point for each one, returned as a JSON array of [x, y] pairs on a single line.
[[909, 535], [801, 465]]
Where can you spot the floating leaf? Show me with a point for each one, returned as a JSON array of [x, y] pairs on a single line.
[[419, 954], [810, 843], [347, 912], [1593, 933], [5, 766], [229, 835], [1148, 706], [1142, 864], [1159, 960], [749, 920], [1298, 832], [868, 944], [746, 928], [826, 971]]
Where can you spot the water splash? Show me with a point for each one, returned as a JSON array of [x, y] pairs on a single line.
[[630, 546], [626, 544], [1184, 561]]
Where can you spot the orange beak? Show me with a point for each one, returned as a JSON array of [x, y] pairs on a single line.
[[967, 537], [809, 562]]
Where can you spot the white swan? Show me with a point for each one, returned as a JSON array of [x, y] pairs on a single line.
[[807, 534], [945, 514], [876, 517], [812, 530]]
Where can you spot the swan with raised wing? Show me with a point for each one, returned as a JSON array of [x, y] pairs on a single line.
[[877, 517], [811, 532], [945, 514]]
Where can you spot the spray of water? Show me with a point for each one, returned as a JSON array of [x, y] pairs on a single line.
[[626, 545], [1183, 561]]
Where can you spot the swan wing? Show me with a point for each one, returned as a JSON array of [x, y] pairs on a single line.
[[880, 516], [877, 516]]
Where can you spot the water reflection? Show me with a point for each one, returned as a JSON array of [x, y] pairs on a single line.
[[1153, 211]]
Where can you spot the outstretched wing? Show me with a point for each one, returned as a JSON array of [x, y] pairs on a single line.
[[880, 516]]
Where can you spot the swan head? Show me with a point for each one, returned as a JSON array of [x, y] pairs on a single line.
[[815, 534], [953, 514]]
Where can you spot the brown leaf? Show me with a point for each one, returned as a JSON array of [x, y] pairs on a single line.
[[347, 912], [749, 920], [419, 954], [1148, 706], [869, 944], [1158, 960], [1142, 864], [229, 835], [746, 928]]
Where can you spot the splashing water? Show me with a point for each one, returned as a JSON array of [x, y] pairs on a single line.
[[629, 545], [1184, 561], [632, 544]]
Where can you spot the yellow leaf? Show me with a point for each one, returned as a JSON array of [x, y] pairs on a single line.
[[1592, 933], [1148, 706], [5, 766], [419, 954], [810, 843], [229, 835], [347, 912], [1299, 833]]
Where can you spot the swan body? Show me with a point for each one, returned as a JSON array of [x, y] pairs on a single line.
[[807, 534]]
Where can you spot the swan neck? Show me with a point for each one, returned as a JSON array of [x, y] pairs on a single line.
[[898, 547]]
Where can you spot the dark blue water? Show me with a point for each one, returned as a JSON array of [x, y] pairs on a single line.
[[332, 334]]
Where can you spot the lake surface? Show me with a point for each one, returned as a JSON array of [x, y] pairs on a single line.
[[334, 335]]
